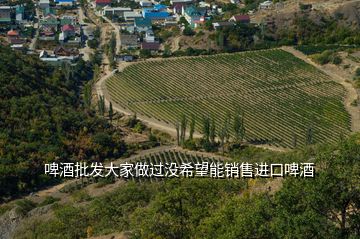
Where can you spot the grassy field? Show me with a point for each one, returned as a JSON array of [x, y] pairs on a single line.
[[281, 96]]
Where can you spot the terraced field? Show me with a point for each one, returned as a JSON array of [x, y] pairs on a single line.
[[281, 95]]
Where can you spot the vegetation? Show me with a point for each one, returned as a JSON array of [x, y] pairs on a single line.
[[277, 94], [43, 120], [326, 206]]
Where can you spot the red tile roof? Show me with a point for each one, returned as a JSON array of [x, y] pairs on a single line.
[[68, 27], [12, 33]]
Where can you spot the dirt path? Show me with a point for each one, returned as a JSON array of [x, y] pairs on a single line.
[[351, 95]]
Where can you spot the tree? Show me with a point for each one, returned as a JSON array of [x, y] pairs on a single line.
[[239, 127], [177, 128], [212, 134], [101, 105], [206, 129], [111, 112], [188, 31], [192, 127], [183, 125], [309, 136]]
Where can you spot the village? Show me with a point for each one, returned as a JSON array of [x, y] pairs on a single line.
[[66, 30]]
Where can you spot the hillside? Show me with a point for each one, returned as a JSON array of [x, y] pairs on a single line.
[[211, 208], [280, 96], [42, 120]]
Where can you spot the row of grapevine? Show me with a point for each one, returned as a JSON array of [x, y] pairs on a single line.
[[281, 95]]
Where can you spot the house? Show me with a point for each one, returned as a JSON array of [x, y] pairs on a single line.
[[194, 15], [68, 30], [14, 37], [128, 41], [126, 58], [5, 14], [149, 36], [44, 4], [157, 12], [265, 5], [62, 51], [152, 46], [55, 60], [68, 20], [177, 8], [48, 11], [145, 3], [19, 11], [102, 3], [142, 24], [49, 21], [115, 11], [68, 3], [181, 1], [244, 19], [220, 25], [131, 16]]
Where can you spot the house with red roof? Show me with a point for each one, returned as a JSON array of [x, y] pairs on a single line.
[[14, 38], [102, 3], [244, 19]]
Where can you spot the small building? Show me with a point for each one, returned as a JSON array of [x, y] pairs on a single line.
[[221, 25], [49, 11], [157, 12], [244, 19], [5, 14], [145, 3], [65, 3], [194, 15], [126, 58], [14, 37], [62, 51], [19, 11], [142, 24], [152, 46], [131, 16], [68, 20], [115, 11], [68, 30], [49, 21], [44, 4], [181, 1], [102, 3], [149, 36], [266, 5], [177, 8], [128, 41]]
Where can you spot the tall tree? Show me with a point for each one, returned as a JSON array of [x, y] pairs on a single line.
[[192, 126], [206, 128], [183, 126], [111, 112], [212, 135]]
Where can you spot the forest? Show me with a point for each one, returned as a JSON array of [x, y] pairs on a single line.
[[43, 119]]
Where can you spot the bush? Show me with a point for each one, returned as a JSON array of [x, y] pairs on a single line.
[[24, 206], [188, 31], [48, 200]]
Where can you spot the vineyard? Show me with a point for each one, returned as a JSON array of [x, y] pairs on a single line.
[[281, 96]]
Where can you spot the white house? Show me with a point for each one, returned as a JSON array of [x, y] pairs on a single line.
[[265, 5], [149, 36], [145, 3], [115, 11], [131, 16]]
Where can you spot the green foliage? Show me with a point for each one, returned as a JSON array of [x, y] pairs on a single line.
[[24, 206], [327, 57], [326, 206], [48, 200], [188, 31], [42, 120]]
